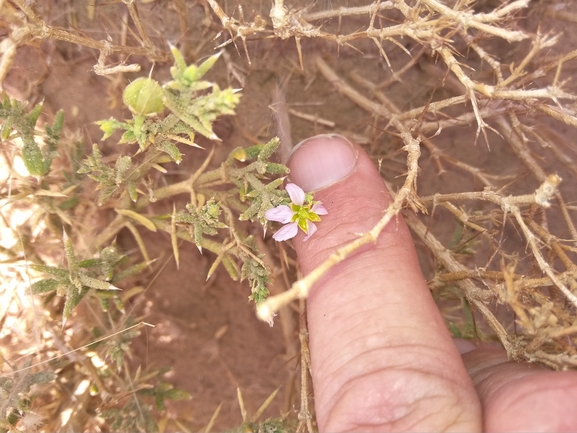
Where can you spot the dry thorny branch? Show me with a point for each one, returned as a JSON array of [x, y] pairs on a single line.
[[498, 107]]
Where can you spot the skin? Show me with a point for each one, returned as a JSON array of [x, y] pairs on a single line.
[[382, 358]]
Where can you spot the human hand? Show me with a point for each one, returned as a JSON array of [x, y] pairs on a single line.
[[382, 358]]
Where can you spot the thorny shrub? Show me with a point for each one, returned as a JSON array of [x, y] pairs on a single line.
[[512, 244]]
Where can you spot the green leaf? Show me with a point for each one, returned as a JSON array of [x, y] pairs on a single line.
[[129, 272], [6, 128], [52, 137], [176, 106], [159, 400], [122, 167], [33, 158], [119, 304], [104, 302], [177, 394], [110, 126], [128, 137], [231, 267], [58, 124], [34, 114], [95, 283], [268, 149], [251, 211], [56, 272], [69, 251], [69, 203], [89, 263], [132, 192], [179, 67], [276, 169], [171, 149], [73, 298], [44, 286], [195, 73]]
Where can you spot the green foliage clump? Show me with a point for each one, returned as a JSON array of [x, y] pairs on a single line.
[[242, 188], [17, 124], [224, 201], [82, 276]]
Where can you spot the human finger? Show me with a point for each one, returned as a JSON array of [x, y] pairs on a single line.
[[382, 358], [521, 397]]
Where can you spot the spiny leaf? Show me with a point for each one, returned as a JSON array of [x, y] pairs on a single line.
[[276, 169], [89, 263], [53, 132], [171, 149], [34, 114], [33, 158], [175, 105], [69, 251], [195, 73], [177, 394], [57, 272], [122, 168], [132, 191], [132, 270], [73, 298], [179, 64], [231, 267], [95, 283], [251, 211], [268, 149], [44, 286]]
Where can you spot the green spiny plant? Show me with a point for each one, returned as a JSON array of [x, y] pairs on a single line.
[[242, 188], [223, 201], [16, 123]]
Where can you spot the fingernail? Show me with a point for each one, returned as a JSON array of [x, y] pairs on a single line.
[[320, 161], [464, 346]]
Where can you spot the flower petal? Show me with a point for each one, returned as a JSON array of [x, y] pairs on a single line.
[[296, 194], [286, 232], [282, 214], [319, 209], [311, 231]]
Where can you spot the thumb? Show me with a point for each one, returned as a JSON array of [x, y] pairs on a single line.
[[381, 356]]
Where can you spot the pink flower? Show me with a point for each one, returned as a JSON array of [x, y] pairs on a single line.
[[303, 212]]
